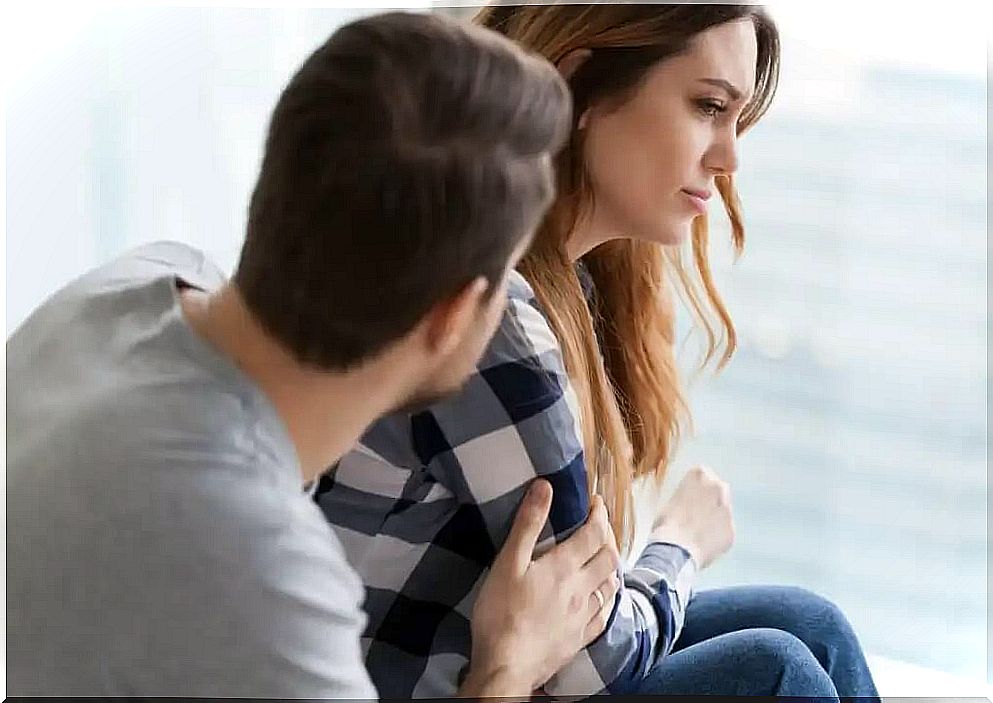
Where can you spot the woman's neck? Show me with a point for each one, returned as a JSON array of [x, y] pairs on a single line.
[[585, 237]]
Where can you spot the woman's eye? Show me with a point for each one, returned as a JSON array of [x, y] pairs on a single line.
[[711, 108]]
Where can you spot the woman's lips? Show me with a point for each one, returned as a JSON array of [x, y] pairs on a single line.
[[698, 199]]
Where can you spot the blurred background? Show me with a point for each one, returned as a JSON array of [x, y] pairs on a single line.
[[851, 424]]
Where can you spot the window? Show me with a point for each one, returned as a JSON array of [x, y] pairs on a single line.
[[851, 424]]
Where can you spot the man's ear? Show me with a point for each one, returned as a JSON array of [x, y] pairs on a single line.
[[450, 320], [568, 65]]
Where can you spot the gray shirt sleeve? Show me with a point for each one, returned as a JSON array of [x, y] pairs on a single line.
[[275, 611]]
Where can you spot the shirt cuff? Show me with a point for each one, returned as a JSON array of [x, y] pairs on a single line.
[[670, 563]]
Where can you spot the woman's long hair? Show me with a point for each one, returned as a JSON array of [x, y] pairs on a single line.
[[620, 352]]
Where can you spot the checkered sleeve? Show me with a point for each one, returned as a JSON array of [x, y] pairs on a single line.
[[517, 420], [426, 500]]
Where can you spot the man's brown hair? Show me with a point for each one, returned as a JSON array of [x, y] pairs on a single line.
[[407, 156]]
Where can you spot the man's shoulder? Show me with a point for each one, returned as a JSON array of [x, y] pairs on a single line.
[[118, 284], [163, 258]]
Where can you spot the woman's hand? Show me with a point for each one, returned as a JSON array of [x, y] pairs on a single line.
[[532, 616], [698, 517]]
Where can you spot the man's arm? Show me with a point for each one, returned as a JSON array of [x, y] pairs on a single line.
[[523, 380], [532, 616]]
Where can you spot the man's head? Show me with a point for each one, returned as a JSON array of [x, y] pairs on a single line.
[[406, 167]]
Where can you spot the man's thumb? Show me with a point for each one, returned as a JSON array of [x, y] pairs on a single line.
[[531, 517]]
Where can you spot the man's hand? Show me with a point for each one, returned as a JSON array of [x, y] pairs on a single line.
[[533, 616], [698, 517]]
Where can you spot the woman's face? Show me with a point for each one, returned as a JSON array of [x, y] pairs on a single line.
[[652, 160]]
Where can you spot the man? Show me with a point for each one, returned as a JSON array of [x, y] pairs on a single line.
[[162, 420]]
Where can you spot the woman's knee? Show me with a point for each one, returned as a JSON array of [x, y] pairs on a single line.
[[772, 645], [790, 666], [823, 608], [824, 624]]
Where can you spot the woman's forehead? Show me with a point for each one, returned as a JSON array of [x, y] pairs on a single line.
[[727, 53]]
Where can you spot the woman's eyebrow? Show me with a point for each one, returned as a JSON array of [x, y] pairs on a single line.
[[721, 83]]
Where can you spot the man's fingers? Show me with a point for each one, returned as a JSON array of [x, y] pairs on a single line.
[[600, 613], [599, 568], [531, 517], [613, 584], [608, 591], [590, 538]]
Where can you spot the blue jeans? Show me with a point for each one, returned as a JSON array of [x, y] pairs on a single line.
[[763, 641]]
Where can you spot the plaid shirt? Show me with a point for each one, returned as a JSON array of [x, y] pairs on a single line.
[[425, 501]]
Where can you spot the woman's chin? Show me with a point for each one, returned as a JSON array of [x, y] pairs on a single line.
[[671, 231], [673, 234]]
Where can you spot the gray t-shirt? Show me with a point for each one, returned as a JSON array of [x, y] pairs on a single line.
[[159, 542]]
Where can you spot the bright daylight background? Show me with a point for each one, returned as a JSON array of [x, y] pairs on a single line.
[[852, 422]]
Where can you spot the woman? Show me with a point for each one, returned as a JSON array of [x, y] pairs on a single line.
[[580, 386]]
